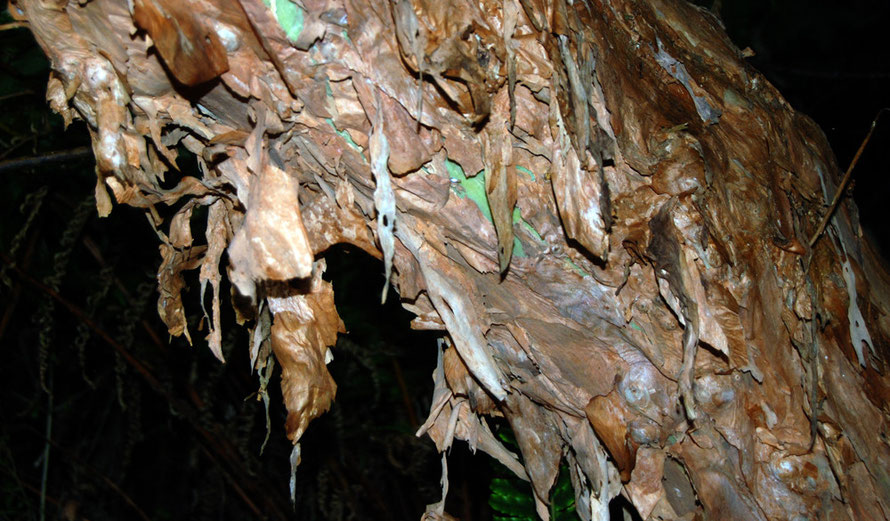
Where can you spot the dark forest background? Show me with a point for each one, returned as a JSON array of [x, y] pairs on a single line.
[[105, 417]]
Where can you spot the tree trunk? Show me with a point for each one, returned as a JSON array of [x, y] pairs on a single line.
[[613, 218]]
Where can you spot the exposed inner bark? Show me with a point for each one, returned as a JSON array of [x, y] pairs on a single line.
[[602, 206]]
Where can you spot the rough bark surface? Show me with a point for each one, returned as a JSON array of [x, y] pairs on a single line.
[[603, 207]]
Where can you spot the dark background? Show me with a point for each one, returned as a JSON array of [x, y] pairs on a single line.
[[831, 61], [142, 426]]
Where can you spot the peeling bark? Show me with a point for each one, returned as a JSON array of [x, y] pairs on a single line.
[[600, 204]]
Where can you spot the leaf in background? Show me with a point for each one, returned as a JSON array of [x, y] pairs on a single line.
[[512, 499], [288, 16], [562, 499]]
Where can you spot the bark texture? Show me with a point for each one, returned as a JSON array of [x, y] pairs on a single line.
[[603, 207]]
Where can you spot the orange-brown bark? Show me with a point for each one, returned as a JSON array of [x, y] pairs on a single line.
[[629, 282]]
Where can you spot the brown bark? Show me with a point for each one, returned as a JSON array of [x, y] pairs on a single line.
[[629, 282]]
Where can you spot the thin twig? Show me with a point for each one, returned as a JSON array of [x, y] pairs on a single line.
[[13, 25], [36, 491], [232, 482], [26, 92], [44, 473], [70, 455], [48, 159], [843, 186], [15, 145]]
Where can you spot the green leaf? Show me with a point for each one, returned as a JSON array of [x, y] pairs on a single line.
[[506, 498], [512, 498], [474, 187], [566, 515], [563, 495], [289, 17]]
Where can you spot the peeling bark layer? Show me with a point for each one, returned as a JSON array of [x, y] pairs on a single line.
[[601, 205]]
